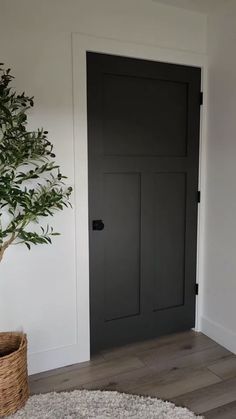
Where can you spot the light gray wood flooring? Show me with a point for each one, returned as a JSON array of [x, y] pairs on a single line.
[[187, 368]]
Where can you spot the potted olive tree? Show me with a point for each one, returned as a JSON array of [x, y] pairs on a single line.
[[31, 189]]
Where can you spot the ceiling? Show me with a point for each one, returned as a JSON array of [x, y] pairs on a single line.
[[202, 6]]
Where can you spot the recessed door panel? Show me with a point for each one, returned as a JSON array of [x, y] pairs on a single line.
[[136, 111], [169, 224], [121, 245]]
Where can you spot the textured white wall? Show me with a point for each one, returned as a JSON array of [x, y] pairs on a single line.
[[219, 307], [38, 288]]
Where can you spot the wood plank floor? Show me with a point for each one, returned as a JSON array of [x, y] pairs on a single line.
[[187, 368]]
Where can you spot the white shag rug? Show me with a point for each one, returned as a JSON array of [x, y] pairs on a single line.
[[81, 404]]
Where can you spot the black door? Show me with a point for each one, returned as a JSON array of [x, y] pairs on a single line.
[[143, 131]]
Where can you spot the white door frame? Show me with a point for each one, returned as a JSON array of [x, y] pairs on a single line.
[[82, 43]]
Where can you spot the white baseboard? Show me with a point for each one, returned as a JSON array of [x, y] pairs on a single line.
[[55, 358], [219, 333]]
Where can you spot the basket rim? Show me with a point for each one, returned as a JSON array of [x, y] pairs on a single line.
[[22, 345]]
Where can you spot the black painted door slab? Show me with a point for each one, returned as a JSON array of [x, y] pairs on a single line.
[[143, 142]]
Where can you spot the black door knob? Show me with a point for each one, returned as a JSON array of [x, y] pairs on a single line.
[[98, 225]]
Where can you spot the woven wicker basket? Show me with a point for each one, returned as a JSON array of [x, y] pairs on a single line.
[[14, 389]]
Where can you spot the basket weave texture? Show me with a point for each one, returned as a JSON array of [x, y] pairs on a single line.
[[14, 389]]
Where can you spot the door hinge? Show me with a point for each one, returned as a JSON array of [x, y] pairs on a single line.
[[196, 289], [201, 98], [198, 196]]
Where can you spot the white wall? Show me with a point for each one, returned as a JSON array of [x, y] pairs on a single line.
[[38, 290], [219, 304]]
